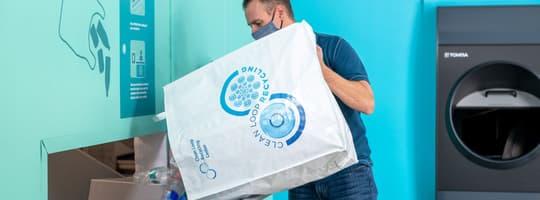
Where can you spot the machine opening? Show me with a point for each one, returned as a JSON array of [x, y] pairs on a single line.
[[498, 134], [494, 115]]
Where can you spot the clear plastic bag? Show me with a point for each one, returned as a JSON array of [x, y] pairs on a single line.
[[169, 177]]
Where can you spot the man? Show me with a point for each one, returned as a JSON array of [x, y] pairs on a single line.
[[344, 73]]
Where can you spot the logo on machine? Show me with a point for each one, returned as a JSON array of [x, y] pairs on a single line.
[[456, 55], [275, 120]]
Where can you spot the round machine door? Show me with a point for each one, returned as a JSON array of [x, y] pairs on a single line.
[[493, 115]]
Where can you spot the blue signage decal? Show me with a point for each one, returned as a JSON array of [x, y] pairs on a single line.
[[137, 85], [93, 47]]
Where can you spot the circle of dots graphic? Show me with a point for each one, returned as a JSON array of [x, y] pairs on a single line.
[[244, 91]]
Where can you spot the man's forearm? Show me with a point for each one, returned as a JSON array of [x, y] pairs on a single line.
[[355, 94]]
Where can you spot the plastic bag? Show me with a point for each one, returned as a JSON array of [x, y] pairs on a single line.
[[257, 121]]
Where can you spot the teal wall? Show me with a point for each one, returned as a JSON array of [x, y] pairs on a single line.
[[51, 97], [385, 36], [204, 30]]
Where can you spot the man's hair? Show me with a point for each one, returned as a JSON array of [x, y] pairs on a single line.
[[271, 4]]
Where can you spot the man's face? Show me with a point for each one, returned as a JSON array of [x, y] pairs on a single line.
[[257, 15]]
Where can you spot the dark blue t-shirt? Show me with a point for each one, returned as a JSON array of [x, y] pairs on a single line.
[[341, 58]]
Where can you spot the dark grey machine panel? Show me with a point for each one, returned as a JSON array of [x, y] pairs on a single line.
[[486, 50], [450, 195], [489, 25], [454, 170]]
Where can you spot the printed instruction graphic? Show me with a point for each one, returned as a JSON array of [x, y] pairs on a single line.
[[137, 7], [137, 87], [138, 54], [87, 37]]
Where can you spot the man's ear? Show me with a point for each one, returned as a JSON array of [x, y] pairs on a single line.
[[281, 11]]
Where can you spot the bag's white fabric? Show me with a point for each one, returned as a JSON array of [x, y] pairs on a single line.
[[257, 121]]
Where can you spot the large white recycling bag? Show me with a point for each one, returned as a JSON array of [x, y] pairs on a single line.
[[257, 121]]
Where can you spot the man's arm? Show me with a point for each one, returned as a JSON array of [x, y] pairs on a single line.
[[355, 94]]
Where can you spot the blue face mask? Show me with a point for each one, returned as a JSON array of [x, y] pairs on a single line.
[[266, 29]]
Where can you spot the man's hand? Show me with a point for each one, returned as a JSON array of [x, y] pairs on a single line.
[[320, 56]]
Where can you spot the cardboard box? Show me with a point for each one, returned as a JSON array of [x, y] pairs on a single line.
[[123, 189], [150, 152], [70, 172]]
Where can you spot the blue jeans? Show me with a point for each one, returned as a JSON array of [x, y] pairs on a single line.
[[353, 183]]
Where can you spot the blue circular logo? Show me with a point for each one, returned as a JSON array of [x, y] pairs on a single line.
[[242, 90], [283, 116], [204, 169], [277, 120]]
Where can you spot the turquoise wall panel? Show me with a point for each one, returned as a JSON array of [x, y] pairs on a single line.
[[384, 34], [53, 96], [205, 30]]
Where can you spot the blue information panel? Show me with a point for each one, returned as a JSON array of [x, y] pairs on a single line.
[[137, 86]]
